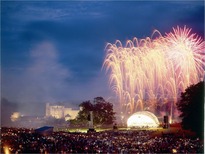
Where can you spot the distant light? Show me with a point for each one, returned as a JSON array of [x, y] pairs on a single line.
[[174, 151], [142, 119], [15, 116], [6, 150]]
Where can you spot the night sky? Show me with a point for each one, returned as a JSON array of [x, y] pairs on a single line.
[[54, 51]]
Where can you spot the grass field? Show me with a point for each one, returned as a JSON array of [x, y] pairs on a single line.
[[160, 129], [156, 131]]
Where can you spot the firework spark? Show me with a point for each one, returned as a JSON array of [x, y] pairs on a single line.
[[148, 72]]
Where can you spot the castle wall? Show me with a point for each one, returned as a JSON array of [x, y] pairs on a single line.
[[60, 112], [57, 111]]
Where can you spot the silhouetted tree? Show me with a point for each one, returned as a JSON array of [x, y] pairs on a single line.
[[85, 108], [103, 113], [191, 106]]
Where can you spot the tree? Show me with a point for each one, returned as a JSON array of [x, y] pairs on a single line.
[[103, 113], [85, 108], [191, 106]]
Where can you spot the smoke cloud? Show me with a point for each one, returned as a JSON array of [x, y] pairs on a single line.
[[46, 77], [42, 80]]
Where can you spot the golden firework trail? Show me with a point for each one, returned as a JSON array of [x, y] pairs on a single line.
[[149, 71]]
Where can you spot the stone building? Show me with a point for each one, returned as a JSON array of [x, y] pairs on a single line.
[[60, 111]]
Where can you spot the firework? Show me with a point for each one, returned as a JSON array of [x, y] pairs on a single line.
[[146, 73]]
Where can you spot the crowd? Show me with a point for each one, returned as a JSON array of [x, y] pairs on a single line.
[[128, 141]]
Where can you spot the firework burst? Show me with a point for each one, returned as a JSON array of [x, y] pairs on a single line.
[[146, 73]]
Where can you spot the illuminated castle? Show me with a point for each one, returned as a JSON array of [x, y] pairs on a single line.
[[60, 112]]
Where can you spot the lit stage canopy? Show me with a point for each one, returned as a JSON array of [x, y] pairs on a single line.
[[143, 119]]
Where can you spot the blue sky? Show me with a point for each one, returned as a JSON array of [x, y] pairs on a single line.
[[53, 51]]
